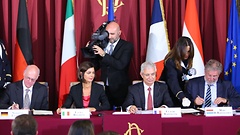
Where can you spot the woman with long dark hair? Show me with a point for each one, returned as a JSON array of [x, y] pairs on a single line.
[[177, 64]]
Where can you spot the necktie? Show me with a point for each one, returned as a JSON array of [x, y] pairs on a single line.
[[149, 102], [208, 97], [26, 103], [111, 49]]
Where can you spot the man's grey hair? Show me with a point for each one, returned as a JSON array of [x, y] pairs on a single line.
[[213, 65], [31, 66], [146, 65]]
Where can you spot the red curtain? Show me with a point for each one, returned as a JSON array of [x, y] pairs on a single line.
[[46, 20]]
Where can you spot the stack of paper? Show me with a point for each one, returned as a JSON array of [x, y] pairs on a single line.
[[42, 112], [189, 110]]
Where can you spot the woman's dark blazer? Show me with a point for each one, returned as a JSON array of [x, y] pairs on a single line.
[[173, 77], [98, 98]]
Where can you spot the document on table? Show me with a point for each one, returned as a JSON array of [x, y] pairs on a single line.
[[42, 112], [201, 109], [147, 111], [236, 112], [120, 113], [189, 110]]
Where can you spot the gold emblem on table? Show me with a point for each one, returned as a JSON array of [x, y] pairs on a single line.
[[131, 127], [103, 3]]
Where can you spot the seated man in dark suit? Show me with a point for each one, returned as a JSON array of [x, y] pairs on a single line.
[[148, 94], [26, 93], [210, 91]]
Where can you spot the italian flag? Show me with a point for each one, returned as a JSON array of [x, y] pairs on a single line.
[[69, 61], [191, 29]]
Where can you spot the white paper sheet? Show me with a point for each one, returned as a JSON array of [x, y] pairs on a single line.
[[189, 110], [42, 112], [120, 113]]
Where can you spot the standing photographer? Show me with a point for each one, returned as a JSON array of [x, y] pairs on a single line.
[[114, 62]]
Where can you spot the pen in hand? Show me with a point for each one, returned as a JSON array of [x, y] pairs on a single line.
[[15, 106], [199, 100]]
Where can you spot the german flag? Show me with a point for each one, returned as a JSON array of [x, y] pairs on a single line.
[[23, 48]]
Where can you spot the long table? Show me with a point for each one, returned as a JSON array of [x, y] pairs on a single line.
[[189, 124], [145, 124]]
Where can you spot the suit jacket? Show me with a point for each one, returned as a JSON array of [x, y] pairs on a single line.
[[14, 93], [136, 95], [98, 98], [115, 67], [225, 89], [171, 75]]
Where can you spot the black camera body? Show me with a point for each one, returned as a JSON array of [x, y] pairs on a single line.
[[100, 38]]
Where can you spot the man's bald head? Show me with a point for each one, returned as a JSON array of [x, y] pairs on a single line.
[[30, 74], [114, 31]]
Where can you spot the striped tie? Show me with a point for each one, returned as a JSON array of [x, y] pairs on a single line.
[[208, 96]]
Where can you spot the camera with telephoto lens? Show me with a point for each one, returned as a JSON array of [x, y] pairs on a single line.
[[99, 38]]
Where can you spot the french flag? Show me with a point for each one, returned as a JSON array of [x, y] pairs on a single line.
[[158, 43]]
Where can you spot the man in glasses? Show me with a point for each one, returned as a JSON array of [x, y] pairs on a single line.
[[149, 93], [26, 93]]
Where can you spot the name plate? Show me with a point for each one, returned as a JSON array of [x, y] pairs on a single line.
[[171, 112], [8, 114], [75, 114], [218, 111]]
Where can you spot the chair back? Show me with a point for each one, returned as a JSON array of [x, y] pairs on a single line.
[[46, 84], [137, 81], [73, 83]]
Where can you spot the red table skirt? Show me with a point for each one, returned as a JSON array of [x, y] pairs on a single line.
[[146, 124], [52, 125]]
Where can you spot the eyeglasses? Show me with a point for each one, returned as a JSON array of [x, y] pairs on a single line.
[[30, 79], [147, 75]]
